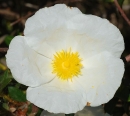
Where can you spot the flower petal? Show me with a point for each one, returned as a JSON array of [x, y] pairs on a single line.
[[64, 39], [107, 90], [100, 73], [59, 39], [100, 35], [71, 96], [45, 67], [21, 60], [57, 28], [56, 15], [58, 94], [46, 22]]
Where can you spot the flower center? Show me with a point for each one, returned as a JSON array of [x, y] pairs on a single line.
[[66, 64]]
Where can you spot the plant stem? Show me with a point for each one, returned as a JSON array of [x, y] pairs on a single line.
[[3, 49], [122, 12]]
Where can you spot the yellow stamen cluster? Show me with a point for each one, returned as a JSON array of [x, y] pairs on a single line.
[[66, 64]]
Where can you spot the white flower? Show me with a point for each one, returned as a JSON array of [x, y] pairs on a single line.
[[67, 59]]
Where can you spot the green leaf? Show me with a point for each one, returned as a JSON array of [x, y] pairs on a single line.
[[39, 112], [5, 79], [120, 2], [17, 85], [17, 94], [8, 26], [5, 106], [8, 39], [129, 98], [29, 109]]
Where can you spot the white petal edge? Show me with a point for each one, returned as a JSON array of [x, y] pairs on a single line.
[[58, 40], [100, 32], [102, 73], [60, 96], [21, 60], [107, 90], [57, 14], [105, 80], [57, 97]]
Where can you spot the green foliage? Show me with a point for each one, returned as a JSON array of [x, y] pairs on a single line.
[[16, 94], [17, 85], [120, 2], [5, 106], [39, 112], [129, 98], [29, 109], [8, 39], [5, 79], [8, 26]]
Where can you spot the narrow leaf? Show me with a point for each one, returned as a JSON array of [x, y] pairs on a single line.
[[39, 112], [29, 109], [17, 94], [5, 106], [129, 98], [5, 79], [8, 39]]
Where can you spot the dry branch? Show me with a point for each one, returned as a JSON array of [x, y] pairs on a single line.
[[122, 12], [3, 49]]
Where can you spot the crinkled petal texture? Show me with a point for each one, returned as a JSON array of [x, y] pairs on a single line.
[[50, 17], [51, 30], [24, 64], [97, 85]]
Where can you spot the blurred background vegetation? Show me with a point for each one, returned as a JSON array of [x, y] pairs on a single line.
[[13, 14]]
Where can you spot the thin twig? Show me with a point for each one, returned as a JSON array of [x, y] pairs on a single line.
[[26, 16], [122, 12], [3, 49], [9, 13], [127, 58]]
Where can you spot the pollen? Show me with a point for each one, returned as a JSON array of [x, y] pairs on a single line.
[[66, 64]]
